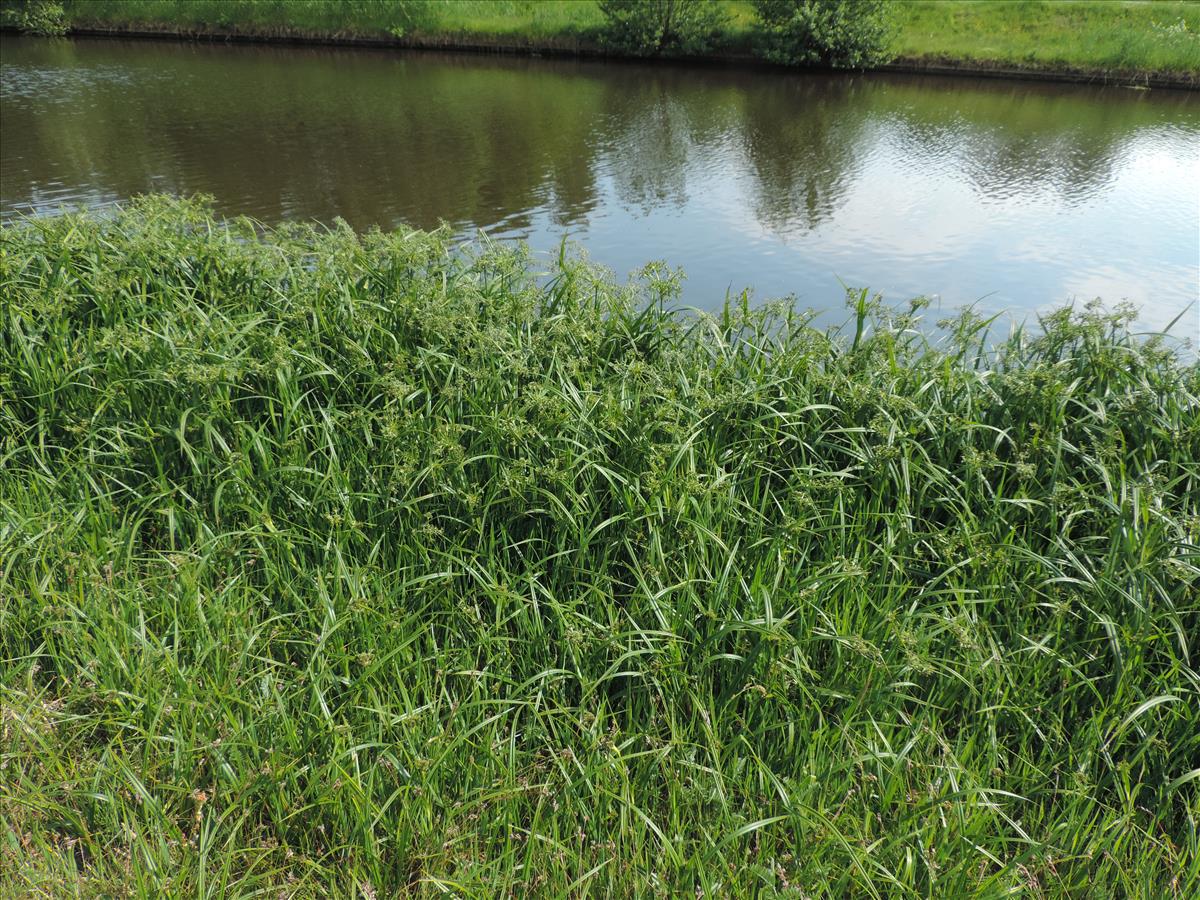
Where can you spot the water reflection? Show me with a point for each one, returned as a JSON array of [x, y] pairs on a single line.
[[1025, 194], [805, 140]]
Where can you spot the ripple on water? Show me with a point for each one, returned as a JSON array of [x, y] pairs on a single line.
[[1021, 194]]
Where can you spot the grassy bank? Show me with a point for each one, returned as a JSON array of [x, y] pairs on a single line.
[[1106, 35], [348, 566], [1161, 36]]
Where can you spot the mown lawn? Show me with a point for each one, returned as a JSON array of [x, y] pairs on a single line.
[[1108, 34]]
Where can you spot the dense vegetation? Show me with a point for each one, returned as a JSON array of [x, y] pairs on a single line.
[[1090, 35], [359, 566], [844, 34], [649, 27]]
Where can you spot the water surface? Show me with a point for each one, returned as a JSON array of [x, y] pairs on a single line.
[[1013, 195]]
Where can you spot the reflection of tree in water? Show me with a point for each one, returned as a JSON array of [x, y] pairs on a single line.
[[804, 139], [649, 162], [662, 125], [307, 133], [1074, 169], [1000, 164], [380, 139], [1018, 140]]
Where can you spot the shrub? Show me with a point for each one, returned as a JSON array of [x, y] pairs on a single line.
[[44, 17], [845, 34], [648, 27]]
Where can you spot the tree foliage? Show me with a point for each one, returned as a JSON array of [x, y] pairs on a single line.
[[44, 17], [651, 27], [845, 34]]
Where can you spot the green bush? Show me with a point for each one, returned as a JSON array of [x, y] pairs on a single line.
[[44, 17], [845, 34], [651, 27]]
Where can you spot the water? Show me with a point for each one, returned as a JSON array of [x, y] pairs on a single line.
[[1014, 196]]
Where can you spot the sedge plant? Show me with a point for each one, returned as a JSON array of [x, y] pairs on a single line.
[[376, 566]]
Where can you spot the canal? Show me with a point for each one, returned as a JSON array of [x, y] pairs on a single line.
[[1014, 196]]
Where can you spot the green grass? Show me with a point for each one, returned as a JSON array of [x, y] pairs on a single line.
[[366, 17], [359, 567], [1152, 36], [1096, 35]]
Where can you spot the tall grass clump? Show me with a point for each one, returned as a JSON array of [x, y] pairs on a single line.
[[362, 566]]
